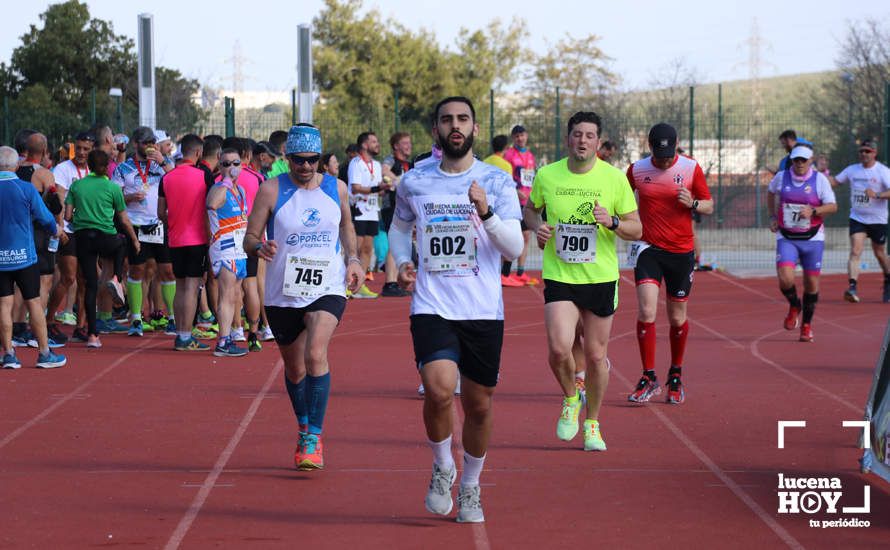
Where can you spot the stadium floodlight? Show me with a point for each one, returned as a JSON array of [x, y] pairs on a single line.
[[304, 72], [146, 70]]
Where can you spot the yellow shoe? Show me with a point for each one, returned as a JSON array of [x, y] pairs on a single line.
[[364, 292], [593, 439], [567, 425]]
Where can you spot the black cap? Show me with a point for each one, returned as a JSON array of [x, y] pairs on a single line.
[[663, 141], [263, 147], [518, 129]]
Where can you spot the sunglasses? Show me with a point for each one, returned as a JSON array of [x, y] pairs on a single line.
[[148, 142], [304, 160], [226, 164], [864, 151]]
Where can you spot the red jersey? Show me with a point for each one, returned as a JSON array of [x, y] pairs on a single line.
[[667, 224]]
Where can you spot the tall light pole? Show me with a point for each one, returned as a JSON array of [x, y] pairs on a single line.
[[118, 94], [848, 77]]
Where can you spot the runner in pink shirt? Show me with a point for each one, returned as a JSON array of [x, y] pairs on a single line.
[[523, 161], [181, 206]]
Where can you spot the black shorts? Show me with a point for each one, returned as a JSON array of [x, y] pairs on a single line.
[[188, 261], [364, 228], [69, 248], [160, 252], [877, 232], [474, 345], [253, 263], [46, 260], [599, 298], [287, 322], [27, 279], [676, 268]]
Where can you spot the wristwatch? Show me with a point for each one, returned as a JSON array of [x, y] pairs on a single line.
[[695, 205], [487, 215], [615, 221]]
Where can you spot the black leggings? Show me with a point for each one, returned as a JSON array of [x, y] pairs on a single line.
[[97, 244]]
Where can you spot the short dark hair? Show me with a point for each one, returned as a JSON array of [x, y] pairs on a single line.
[[454, 99], [397, 137], [585, 116], [190, 143], [277, 139], [608, 145], [229, 151], [363, 138], [101, 131], [85, 136], [352, 148], [97, 160], [235, 143], [216, 137], [325, 159], [499, 143], [788, 134], [212, 146], [21, 140]]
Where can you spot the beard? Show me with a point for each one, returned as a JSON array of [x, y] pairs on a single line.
[[450, 150]]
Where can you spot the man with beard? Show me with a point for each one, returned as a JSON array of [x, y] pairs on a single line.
[[365, 187], [467, 216]]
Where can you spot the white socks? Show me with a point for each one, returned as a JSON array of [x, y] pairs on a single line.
[[442, 453], [472, 469]]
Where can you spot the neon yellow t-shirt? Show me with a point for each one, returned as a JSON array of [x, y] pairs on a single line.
[[500, 162], [569, 200]]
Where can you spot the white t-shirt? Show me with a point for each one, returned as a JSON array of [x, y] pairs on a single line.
[[876, 178], [367, 174], [823, 191], [67, 173], [427, 196]]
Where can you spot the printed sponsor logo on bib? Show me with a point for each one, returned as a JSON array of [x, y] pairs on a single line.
[[155, 236], [306, 277], [449, 245], [238, 236], [634, 250], [791, 218], [369, 207], [526, 176], [576, 244], [860, 198]]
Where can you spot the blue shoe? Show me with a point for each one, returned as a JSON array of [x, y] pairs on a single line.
[[171, 328], [229, 349], [135, 328], [110, 326], [10, 361], [52, 343], [50, 360], [189, 344], [20, 341]]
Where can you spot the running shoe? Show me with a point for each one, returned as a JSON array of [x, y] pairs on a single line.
[[79, 335], [10, 361], [66, 318], [582, 390], [206, 318], [676, 394], [54, 332], [50, 360], [510, 281], [229, 349], [135, 328], [117, 292], [20, 340], [533, 281], [94, 342], [438, 496], [806, 332], [567, 425], [202, 334], [298, 452], [238, 334], [420, 389], [266, 335], [792, 320], [50, 342], [886, 296], [160, 323], [524, 279], [170, 329], [851, 296], [364, 292], [30, 339], [189, 344], [469, 504], [112, 327], [646, 388], [313, 456], [392, 290], [593, 439], [253, 343], [369, 276]]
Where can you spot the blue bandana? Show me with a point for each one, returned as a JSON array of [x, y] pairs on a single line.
[[303, 139]]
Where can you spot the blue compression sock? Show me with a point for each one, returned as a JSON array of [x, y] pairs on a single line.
[[297, 393], [317, 390]]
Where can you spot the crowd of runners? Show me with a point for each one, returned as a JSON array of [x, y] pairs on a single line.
[[226, 243]]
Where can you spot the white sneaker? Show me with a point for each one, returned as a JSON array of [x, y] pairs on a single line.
[[238, 334], [469, 504], [420, 390], [266, 335], [438, 496]]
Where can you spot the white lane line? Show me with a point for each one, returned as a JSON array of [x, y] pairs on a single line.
[[77, 393], [210, 481]]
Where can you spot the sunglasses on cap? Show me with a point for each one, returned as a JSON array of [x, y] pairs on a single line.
[[227, 163], [304, 160]]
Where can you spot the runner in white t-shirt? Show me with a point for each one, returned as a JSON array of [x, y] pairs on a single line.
[[365, 185], [467, 216], [869, 190]]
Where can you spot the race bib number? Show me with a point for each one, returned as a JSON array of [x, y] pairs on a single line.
[[238, 236], [634, 250], [860, 199], [154, 236], [526, 177], [306, 277], [576, 244], [369, 209], [791, 219], [449, 245]]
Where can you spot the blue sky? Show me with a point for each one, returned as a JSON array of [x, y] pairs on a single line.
[[642, 36]]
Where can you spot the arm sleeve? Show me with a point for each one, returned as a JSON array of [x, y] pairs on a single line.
[[400, 240], [505, 235], [700, 189]]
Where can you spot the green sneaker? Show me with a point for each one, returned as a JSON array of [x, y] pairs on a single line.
[[253, 343], [593, 439], [202, 334], [567, 426]]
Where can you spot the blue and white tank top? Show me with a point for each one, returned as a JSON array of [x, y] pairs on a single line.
[[228, 225], [305, 224]]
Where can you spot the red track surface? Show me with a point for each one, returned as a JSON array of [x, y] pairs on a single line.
[[138, 445]]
